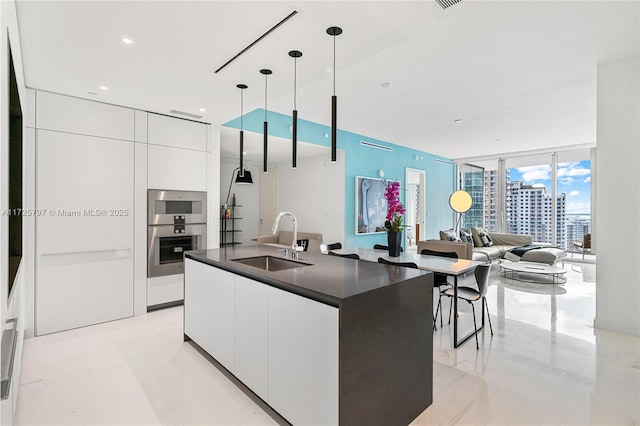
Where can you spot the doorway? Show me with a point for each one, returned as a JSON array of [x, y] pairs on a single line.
[[415, 199]]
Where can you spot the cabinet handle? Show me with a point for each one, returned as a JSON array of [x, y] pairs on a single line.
[[65, 253]]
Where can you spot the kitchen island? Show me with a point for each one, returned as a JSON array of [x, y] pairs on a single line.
[[322, 340]]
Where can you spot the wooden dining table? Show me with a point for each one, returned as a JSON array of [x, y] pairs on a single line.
[[443, 265]]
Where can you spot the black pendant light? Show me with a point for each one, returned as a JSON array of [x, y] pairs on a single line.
[[265, 128], [295, 54], [241, 171], [334, 31]]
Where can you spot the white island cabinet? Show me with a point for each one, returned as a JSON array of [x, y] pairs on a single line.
[[282, 346], [197, 320], [303, 359]]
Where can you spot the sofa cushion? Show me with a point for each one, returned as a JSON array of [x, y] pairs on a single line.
[[464, 250], [548, 255], [475, 234], [449, 235], [492, 253], [513, 240], [286, 238]]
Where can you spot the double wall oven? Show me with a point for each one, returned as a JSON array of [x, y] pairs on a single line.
[[177, 222]]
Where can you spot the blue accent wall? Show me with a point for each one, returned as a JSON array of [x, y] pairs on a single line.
[[366, 161]]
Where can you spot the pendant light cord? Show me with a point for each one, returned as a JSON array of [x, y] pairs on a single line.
[[241, 106]]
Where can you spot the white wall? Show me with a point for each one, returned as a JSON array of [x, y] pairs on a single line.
[[618, 208], [246, 196], [314, 193]]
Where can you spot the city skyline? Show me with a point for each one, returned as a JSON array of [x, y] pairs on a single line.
[[574, 179]]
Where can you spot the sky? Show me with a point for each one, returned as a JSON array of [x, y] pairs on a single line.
[[574, 179]]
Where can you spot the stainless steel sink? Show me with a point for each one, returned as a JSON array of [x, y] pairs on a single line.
[[270, 263]]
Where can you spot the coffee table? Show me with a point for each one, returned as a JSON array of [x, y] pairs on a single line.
[[517, 268]]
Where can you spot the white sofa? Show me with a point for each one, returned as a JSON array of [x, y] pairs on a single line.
[[502, 243]]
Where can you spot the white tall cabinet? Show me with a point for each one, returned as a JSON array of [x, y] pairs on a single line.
[[85, 200], [177, 152], [94, 163]]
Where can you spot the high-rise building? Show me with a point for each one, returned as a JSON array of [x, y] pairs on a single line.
[[529, 211], [491, 210], [577, 226]]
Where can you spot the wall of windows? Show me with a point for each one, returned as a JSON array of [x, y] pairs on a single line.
[[547, 196]]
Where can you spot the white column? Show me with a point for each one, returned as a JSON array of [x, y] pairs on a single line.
[[618, 208]]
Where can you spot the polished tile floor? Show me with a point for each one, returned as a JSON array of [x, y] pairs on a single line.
[[544, 365]]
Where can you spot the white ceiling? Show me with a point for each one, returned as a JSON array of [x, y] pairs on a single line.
[[521, 74], [279, 151]]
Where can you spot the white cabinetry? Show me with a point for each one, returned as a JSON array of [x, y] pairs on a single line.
[[197, 306], [177, 153], [223, 317], [303, 359], [86, 186], [73, 115], [284, 347], [252, 339], [177, 133], [84, 240], [177, 168]]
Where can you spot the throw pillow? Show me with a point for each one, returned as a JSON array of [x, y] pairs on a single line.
[[450, 235], [475, 233], [466, 237], [486, 239]]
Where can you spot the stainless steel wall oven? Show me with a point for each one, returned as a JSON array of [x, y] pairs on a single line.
[[176, 223]]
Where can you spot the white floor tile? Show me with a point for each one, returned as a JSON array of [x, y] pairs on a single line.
[[544, 365]]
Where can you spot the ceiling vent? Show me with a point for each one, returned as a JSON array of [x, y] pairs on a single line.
[[375, 145], [186, 114], [447, 3]]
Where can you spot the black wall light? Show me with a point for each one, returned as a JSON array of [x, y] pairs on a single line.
[[241, 172], [265, 127], [334, 32], [295, 54]]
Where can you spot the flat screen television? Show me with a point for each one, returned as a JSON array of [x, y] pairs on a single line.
[[15, 173]]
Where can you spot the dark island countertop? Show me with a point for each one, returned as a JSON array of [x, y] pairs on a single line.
[[328, 279]]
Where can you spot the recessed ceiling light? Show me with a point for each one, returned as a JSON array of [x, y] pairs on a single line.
[[127, 40], [92, 93], [458, 120], [244, 152], [104, 88], [202, 110], [386, 85]]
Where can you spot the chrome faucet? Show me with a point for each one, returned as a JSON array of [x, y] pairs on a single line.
[[294, 246]]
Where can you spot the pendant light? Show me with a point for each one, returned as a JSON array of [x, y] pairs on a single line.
[[265, 127], [295, 54], [241, 172], [334, 32]]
